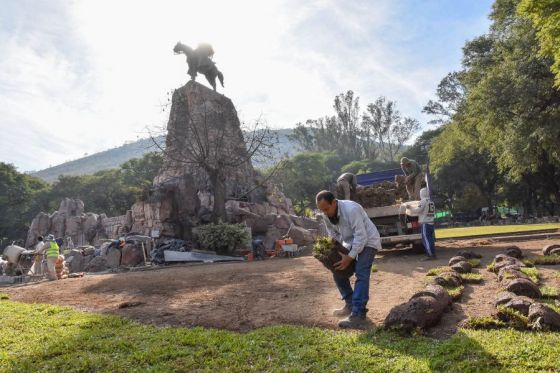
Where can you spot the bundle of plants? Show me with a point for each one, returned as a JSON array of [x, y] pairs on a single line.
[[327, 250]]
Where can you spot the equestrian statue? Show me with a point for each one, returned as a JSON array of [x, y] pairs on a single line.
[[200, 61]]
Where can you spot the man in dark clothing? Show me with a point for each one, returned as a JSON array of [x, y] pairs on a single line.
[[414, 178], [346, 186]]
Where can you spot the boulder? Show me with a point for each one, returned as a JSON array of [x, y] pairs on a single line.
[[113, 257], [132, 255], [97, 264], [456, 259], [544, 317], [504, 297], [469, 254], [462, 267], [553, 249], [272, 235], [306, 223], [75, 261], [521, 286], [520, 303], [283, 221], [301, 236], [448, 279], [514, 252]]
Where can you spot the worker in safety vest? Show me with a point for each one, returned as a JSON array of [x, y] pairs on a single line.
[[52, 256]]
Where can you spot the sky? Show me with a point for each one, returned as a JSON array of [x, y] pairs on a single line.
[[82, 76]]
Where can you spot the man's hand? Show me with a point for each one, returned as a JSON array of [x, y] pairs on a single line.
[[344, 263]]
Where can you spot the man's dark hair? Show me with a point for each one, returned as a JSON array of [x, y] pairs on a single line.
[[40, 238], [325, 195]]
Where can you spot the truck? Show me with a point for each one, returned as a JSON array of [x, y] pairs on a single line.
[[395, 226]]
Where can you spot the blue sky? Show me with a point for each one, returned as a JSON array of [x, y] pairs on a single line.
[[82, 76]]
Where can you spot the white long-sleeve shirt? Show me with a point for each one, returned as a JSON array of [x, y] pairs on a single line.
[[354, 230]]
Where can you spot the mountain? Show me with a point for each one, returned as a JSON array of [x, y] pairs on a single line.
[[113, 158]]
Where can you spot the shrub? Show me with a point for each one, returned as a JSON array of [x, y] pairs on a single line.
[[222, 237]]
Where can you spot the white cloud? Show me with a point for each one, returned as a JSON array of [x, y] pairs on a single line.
[[91, 74]]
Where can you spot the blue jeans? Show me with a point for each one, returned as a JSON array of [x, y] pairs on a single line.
[[358, 297], [429, 239]]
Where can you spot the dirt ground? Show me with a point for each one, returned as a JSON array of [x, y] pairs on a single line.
[[248, 295]]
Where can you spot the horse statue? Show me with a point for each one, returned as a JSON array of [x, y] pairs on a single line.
[[200, 61]]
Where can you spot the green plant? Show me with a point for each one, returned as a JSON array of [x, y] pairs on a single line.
[[550, 292], [552, 303], [483, 322], [322, 248], [490, 267], [455, 293], [471, 278], [474, 262], [374, 268], [514, 318], [222, 237], [533, 274], [437, 270], [543, 260]]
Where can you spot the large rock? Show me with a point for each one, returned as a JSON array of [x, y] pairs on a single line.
[[97, 264], [132, 255], [301, 236], [521, 286], [113, 257], [75, 261], [39, 227], [544, 317]]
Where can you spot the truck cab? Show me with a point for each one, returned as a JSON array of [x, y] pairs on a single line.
[[394, 225]]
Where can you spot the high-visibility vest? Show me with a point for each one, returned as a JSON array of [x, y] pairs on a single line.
[[52, 250]]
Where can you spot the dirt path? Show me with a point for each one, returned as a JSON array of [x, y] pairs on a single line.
[[244, 296]]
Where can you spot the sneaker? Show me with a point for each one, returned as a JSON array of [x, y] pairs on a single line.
[[344, 311], [425, 259], [353, 322]]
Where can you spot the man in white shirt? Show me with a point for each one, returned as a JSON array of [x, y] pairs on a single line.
[[37, 267], [348, 223]]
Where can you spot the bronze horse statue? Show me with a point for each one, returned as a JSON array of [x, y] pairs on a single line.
[[200, 61]]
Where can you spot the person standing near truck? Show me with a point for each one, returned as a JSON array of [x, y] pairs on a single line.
[[425, 212], [37, 267], [414, 178], [348, 223], [346, 185]]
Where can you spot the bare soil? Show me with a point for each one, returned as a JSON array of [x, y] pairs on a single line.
[[248, 295]]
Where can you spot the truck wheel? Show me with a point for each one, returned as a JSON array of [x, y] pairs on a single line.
[[418, 248]]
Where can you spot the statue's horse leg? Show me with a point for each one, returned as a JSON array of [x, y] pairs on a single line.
[[211, 77]]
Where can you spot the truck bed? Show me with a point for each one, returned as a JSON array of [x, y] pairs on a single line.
[[392, 210]]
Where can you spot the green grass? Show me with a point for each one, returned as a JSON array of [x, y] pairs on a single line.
[[39, 337], [490, 266], [484, 322], [474, 262], [543, 260], [456, 292], [471, 278], [4, 296], [438, 270], [554, 304], [374, 268], [492, 229], [532, 273], [550, 292], [515, 318]]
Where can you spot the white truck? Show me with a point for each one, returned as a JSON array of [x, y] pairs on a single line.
[[392, 222]]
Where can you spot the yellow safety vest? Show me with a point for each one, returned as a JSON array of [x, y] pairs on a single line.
[[53, 250]]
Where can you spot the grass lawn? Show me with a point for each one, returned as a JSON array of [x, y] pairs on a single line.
[[493, 229], [35, 337]]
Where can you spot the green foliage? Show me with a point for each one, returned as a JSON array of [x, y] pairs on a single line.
[[322, 248], [550, 292], [436, 271], [38, 337], [19, 202], [552, 303], [545, 15], [456, 292], [532, 273], [471, 278], [222, 237], [474, 262], [543, 260], [484, 322], [514, 318]]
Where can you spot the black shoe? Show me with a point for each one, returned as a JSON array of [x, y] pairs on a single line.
[[353, 322], [344, 311]]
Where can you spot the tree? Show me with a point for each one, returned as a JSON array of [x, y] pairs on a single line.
[[545, 15], [388, 127], [18, 201]]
